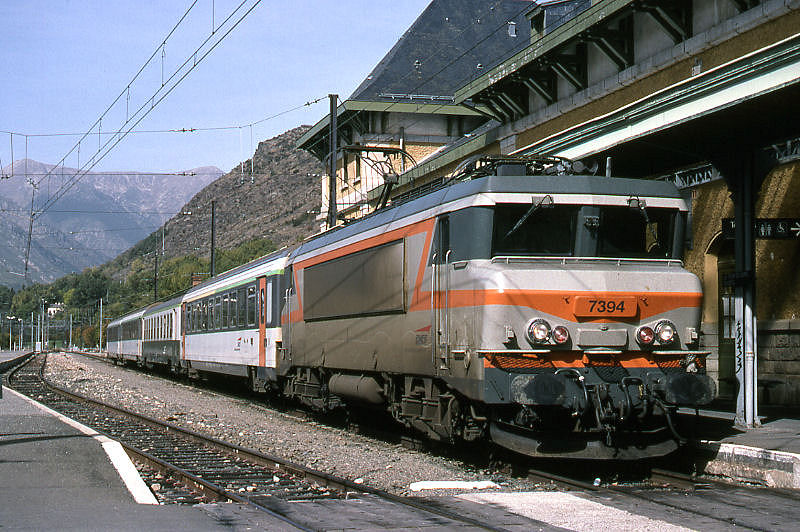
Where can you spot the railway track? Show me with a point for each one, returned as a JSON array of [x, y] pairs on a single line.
[[182, 466]]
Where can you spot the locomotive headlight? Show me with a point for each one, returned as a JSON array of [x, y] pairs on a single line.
[[665, 331], [645, 336], [538, 331], [560, 334]]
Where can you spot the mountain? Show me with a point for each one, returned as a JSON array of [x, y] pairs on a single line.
[[279, 201], [98, 217]]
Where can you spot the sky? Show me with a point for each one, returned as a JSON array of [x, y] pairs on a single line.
[[63, 63]]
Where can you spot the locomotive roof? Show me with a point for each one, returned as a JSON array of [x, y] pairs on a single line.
[[539, 184]]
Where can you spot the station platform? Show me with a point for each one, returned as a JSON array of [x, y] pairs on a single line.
[[9, 358], [768, 455], [56, 474]]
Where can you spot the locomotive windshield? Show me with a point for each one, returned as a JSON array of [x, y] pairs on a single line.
[[546, 231], [636, 233], [583, 230]]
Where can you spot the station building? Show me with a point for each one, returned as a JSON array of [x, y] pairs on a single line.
[[704, 93]]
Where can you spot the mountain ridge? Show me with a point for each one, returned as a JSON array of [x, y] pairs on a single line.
[[102, 215]]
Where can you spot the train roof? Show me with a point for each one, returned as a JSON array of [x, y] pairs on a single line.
[[225, 278], [529, 184], [161, 305], [134, 314]]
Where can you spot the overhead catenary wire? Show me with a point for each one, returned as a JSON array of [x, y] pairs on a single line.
[[158, 96], [177, 76]]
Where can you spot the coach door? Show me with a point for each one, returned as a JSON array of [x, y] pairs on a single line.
[[262, 325], [440, 300]]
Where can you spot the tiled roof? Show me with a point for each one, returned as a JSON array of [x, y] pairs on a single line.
[[444, 47]]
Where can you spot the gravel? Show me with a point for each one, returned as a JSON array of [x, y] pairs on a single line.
[[254, 425]]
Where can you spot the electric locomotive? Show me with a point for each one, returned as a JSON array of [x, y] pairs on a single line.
[[548, 312], [519, 302]]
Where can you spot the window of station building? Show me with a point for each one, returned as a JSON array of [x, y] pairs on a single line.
[[525, 229], [241, 301], [251, 305]]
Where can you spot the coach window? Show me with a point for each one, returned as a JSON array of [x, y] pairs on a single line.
[[225, 311], [261, 310], [232, 321], [268, 304], [242, 304], [251, 305]]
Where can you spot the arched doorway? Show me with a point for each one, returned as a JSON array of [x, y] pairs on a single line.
[[719, 307]]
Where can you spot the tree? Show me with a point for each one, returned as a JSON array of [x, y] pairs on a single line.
[[6, 296]]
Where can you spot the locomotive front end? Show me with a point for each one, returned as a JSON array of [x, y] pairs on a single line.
[[588, 326]]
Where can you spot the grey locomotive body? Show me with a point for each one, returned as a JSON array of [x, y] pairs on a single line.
[[549, 313]]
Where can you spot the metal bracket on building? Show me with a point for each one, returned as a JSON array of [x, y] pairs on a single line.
[[617, 45], [785, 152], [744, 5], [674, 17], [541, 81], [572, 67]]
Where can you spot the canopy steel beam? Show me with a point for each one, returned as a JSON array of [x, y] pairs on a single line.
[[674, 17], [617, 44]]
